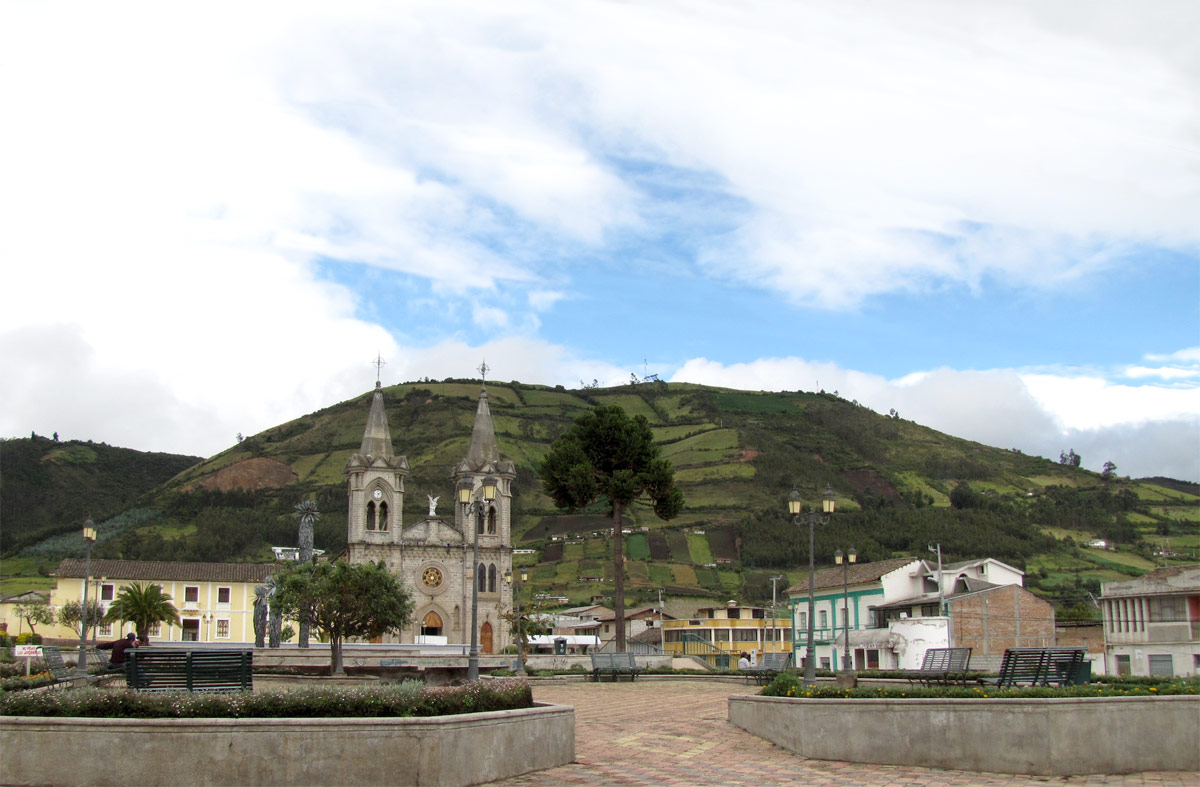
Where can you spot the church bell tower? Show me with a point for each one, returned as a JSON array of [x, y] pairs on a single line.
[[376, 478]]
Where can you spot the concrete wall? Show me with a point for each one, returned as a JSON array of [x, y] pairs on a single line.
[[1042, 737], [446, 750]]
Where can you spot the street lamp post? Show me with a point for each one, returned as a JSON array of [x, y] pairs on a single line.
[[89, 536], [516, 586], [774, 631], [812, 519], [851, 557], [465, 494]]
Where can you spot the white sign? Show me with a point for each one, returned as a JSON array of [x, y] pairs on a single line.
[[27, 651]]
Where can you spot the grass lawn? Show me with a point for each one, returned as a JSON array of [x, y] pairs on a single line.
[[573, 551], [685, 575], [631, 404], [1102, 556], [729, 471]]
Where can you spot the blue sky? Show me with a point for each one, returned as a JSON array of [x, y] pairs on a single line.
[[982, 215]]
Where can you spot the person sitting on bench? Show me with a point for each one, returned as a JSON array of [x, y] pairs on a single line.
[[118, 648]]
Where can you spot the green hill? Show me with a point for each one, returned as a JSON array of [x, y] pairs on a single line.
[[737, 454]]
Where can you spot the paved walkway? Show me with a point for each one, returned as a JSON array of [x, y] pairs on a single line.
[[675, 734]]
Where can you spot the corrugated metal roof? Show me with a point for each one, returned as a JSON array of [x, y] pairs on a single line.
[[158, 570]]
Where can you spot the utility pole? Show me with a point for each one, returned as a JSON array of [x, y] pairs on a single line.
[[662, 634], [937, 547], [773, 629]]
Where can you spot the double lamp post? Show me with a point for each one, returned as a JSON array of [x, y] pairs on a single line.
[[466, 496], [812, 519]]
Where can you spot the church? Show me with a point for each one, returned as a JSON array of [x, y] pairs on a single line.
[[434, 557]]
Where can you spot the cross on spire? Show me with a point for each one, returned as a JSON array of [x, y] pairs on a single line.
[[378, 363], [483, 369]]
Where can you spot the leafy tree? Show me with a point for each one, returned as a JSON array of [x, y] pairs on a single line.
[[344, 600], [963, 496], [143, 605], [35, 613], [606, 455], [1109, 471], [71, 614]]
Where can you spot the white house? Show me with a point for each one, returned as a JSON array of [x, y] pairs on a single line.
[[1152, 624]]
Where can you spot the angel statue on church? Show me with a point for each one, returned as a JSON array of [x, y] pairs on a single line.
[[433, 504]]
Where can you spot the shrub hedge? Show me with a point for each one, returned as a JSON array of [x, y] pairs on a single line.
[[790, 684], [407, 698]]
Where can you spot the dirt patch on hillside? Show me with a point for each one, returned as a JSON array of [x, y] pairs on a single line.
[[868, 480], [257, 473], [746, 454]]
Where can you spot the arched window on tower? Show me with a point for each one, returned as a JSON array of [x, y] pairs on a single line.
[[383, 516], [491, 520], [492, 578], [371, 515], [481, 578]]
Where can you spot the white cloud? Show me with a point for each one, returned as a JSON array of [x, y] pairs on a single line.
[[1146, 430], [1162, 372]]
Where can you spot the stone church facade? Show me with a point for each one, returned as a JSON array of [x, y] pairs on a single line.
[[433, 556]]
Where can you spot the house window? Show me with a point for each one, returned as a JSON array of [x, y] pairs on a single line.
[[222, 628], [155, 629], [1123, 665], [1168, 609], [745, 635], [191, 594], [823, 616], [106, 592], [802, 621], [872, 659], [106, 629], [733, 614], [1161, 665], [929, 610], [223, 595]]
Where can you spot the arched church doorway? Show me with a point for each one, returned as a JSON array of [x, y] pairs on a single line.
[[431, 625], [485, 638]]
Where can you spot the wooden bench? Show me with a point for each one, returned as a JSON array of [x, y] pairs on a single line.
[[771, 665], [614, 664], [1038, 667], [162, 669], [943, 666]]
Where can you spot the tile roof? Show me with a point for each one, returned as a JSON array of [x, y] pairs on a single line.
[[856, 574], [164, 571]]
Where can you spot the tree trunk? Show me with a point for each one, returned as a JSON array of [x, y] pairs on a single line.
[[335, 656], [618, 577]]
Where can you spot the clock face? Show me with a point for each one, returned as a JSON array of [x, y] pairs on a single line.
[[431, 577], [378, 493]]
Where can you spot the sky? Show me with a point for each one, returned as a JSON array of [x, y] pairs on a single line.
[[983, 215]]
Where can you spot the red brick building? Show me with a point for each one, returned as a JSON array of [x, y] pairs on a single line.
[[989, 621]]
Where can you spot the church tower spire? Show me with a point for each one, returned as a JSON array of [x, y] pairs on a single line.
[[483, 448], [376, 478]]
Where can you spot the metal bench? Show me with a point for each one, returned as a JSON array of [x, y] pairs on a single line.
[[1038, 667], [771, 665], [614, 664], [943, 666], [155, 669]]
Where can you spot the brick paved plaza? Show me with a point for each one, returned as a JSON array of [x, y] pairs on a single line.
[[675, 733]]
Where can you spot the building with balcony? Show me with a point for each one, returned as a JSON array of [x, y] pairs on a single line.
[[1152, 624]]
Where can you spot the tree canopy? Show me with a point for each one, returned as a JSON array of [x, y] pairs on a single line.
[[143, 605], [344, 600], [608, 456]]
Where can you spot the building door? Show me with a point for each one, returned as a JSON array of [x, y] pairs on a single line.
[[1123, 665], [1161, 665], [431, 625], [191, 630], [485, 638]]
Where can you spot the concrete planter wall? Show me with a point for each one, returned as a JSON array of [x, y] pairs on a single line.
[[1042, 737], [447, 750]]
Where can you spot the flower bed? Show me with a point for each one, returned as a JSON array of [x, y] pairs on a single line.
[[1108, 728], [382, 734]]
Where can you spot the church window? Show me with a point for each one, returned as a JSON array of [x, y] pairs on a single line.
[[491, 520], [481, 573], [383, 517], [432, 577], [371, 516], [492, 578]]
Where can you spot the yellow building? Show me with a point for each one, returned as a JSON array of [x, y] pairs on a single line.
[[215, 600], [719, 634]]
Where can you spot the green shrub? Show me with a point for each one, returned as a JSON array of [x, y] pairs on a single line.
[[408, 698], [790, 684]]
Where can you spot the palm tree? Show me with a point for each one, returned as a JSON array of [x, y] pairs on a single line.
[[307, 511], [143, 605]]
